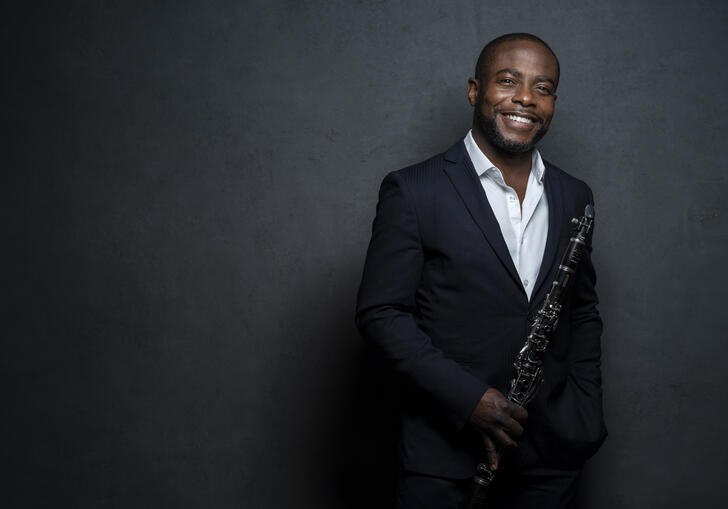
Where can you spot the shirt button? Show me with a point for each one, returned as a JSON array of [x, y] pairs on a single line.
[[525, 282]]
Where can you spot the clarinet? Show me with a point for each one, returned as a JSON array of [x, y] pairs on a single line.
[[529, 361]]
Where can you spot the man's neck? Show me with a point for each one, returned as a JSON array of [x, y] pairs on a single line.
[[512, 166]]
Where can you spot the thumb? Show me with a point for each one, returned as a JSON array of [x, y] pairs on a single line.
[[491, 452]]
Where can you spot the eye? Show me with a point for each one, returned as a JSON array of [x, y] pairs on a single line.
[[506, 81], [544, 89]]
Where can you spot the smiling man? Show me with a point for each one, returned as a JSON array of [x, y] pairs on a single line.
[[463, 251]]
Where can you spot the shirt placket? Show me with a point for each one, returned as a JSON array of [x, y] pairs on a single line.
[[514, 213]]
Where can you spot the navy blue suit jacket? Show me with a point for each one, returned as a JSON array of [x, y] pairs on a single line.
[[442, 300]]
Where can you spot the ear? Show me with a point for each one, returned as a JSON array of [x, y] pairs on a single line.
[[473, 87]]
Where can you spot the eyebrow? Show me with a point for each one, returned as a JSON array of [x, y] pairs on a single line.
[[519, 74]]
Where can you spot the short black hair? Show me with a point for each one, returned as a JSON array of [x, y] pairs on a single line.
[[486, 55]]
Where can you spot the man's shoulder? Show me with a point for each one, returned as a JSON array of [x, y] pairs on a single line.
[[570, 183], [421, 171], [430, 171]]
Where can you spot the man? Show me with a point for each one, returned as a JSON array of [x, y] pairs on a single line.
[[463, 251]]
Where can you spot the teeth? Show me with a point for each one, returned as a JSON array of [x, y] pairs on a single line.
[[522, 120]]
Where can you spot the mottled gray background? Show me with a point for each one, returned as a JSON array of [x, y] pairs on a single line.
[[189, 189]]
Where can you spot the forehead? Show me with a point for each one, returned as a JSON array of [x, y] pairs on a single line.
[[528, 57]]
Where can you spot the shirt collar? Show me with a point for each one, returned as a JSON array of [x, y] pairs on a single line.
[[482, 164]]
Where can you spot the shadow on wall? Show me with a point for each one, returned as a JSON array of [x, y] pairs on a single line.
[[364, 461], [341, 398], [363, 438], [363, 454]]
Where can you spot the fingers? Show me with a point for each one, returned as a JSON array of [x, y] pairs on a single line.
[[505, 419], [519, 413], [491, 452], [513, 410], [513, 428], [501, 419], [502, 439], [501, 404]]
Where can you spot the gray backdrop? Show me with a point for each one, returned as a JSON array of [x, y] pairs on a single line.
[[190, 189]]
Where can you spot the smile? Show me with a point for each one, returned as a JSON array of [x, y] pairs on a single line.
[[522, 120]]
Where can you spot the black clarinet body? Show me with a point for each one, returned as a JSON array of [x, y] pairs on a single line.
[[529, 361]]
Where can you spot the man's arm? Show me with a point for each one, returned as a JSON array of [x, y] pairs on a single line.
[[386, 307]]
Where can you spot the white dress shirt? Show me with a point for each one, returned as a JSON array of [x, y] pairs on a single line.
[[524, 227]]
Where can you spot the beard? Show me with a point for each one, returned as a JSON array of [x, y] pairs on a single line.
[[495, 137]]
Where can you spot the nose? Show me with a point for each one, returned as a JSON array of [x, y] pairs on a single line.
[[522, 95]]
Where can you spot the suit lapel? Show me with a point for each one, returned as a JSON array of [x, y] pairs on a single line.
[[463, 176], [557, 225]]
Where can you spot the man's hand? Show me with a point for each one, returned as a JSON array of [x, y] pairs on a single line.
[[499, 422]]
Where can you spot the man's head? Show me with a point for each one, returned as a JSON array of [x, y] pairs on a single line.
[[513, 92]]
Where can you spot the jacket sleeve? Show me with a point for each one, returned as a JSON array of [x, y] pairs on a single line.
[[386, 308]]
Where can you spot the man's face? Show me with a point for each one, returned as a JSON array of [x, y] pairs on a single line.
[[514, 97]]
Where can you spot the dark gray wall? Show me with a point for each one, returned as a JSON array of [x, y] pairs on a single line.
[[190, 188]]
